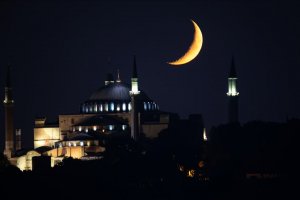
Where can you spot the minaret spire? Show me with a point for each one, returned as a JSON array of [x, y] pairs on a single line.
[[134, 102], [8, 110], [232, 94], [118, 76], [134, 79]]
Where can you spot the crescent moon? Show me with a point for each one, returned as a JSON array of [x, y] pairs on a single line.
[[194, 49]]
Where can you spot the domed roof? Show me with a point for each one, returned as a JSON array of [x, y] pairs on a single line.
[[114, 97], [116, 91]]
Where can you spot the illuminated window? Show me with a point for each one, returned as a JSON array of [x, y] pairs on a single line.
[[70, 144], [110, 127], [86, 130], [123, 127], [106, 107], [124, 106], [112, 106], [91, 108], [74, 144], [118, 107], [129, 106], [191, 173], [80, 128], [149, 106], [101, 108], [95, 108], [145, 106], [88, 143], [81, 144], [94, 128]]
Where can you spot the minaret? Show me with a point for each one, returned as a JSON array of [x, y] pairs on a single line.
[[8, 110], [118, 76], [134, 102], [233, 107]]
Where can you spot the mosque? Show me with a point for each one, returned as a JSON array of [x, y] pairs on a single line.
[[115, 109]]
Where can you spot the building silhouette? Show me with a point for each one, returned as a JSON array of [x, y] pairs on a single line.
[[9, 119]]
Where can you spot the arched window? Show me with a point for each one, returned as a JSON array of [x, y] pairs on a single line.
[[129, 106], [124, 106], [100, 107], [145, 106], [112, 106], [118, 107], [106, 107], [149, 106], [91, 108], [95, 108]]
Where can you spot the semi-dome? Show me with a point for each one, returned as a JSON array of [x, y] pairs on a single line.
[[114, 96]]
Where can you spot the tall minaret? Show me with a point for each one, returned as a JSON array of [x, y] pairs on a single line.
[[233, 95], [134, 102], [8, 110]]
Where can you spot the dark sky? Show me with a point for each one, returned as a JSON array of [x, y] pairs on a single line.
[[60, 51]]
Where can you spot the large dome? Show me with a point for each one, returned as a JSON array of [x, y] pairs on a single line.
[[115, 97]]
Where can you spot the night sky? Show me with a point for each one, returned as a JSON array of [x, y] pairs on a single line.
[[60, 50]]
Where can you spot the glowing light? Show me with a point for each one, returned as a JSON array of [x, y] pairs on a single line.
[[145, 106], [204, 134], [95, 108], [191, 173], [101, 107], [194, 49], [110, 127], [86, 130], [106, 107], [74, 144], [81, 143], [181, 168], [129, 106], [123, 127], [112, 106], [201, 164], [124, 106], [94, 128], [134, 87], [70, 144], [118, 107], [232, 91], [80, 128]]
